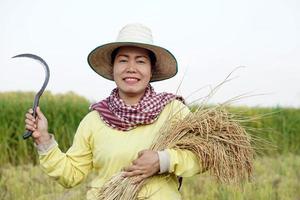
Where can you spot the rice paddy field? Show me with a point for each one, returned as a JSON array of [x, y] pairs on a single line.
[[277, 163]]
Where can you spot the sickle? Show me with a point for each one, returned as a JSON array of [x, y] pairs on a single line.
[[27, 134]]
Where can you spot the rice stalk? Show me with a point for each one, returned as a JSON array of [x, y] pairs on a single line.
[[221, 144]]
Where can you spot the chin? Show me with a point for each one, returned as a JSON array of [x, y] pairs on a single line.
[[131, 90]]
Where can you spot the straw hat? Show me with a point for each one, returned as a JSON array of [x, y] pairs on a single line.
[[139, 36]]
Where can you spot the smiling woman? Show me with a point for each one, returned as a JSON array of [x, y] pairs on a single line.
[[132, 73], [118, 132]]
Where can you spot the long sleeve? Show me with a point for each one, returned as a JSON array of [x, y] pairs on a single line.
[[70, 168], [183, 163]]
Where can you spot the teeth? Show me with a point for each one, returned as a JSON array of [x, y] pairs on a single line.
[[131, 79]]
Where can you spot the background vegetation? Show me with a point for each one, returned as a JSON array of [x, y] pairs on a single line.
[[277, 174]]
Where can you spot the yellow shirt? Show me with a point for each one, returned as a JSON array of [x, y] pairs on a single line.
[[105, 150]]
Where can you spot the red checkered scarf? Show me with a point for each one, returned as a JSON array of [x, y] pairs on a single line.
[[116, 114]]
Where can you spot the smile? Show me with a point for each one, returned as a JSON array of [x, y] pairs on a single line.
[[131, 80]]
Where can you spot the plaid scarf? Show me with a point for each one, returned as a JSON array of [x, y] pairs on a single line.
[[116, 114]]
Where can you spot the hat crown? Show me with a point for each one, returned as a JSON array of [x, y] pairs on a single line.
[[135, 33]]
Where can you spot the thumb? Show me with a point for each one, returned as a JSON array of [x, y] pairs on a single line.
[[141, 153], [39, 113]]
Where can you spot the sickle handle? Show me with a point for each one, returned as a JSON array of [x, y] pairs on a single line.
[[28, 134]]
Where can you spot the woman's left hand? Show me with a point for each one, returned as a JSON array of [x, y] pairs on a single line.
[[146, 165]]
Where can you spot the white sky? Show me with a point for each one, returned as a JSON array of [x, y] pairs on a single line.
[[209, 39]]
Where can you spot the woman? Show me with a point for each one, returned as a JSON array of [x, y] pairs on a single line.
[[118, 132]]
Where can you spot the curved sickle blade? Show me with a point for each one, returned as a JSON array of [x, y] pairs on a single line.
[[40, 92]]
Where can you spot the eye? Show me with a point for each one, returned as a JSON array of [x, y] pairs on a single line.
[[122, 60], [141, 61]]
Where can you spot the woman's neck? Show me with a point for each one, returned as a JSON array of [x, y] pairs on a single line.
[[131, 99]]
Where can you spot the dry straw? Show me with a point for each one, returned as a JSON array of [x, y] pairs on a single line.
[[220, 142]]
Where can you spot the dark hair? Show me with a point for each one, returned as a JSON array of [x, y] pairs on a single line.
[[150, 53]]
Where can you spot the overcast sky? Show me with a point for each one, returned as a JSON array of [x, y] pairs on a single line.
[[209, 39]]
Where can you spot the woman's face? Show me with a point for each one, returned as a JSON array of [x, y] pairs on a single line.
[[132, 71]]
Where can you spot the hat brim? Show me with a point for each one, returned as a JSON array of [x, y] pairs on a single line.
[[100, 60]]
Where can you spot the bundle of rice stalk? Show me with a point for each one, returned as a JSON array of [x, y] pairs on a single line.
[[221, 144]]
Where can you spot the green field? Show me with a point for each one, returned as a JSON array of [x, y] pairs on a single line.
[[274, 178], [276, 175]]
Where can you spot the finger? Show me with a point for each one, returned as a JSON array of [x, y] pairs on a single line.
[[139, 179], [135, 162], [39, 113], [133, 173], [141, 153], [131, 168], [30, 122], [30, 111], [139, 164], [30, 128], [36, 134], [29, 116]]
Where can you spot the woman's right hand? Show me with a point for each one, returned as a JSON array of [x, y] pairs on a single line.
[[38, 126]]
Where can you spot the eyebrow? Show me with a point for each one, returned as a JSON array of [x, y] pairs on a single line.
[[136, 56]]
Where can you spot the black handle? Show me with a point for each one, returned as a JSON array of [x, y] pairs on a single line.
[[27, 135]]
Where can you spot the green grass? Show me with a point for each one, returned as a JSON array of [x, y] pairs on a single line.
[[276, 174], [280, 127], [274, 178], [63, 112]]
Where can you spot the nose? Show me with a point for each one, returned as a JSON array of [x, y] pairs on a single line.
[[131, 67]]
